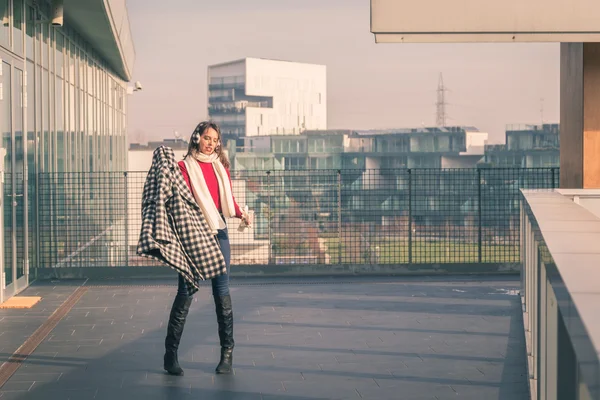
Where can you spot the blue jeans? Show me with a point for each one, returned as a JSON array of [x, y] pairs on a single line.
[[220, 284]]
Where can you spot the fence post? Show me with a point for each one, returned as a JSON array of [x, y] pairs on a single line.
[[479, 227], [126, 219], [270, 255], [339, 212], [37, 223], [2, 230], [553, 180], [410, 216], [53, 218]]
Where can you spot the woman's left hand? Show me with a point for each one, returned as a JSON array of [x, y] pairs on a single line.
[[248, 218]]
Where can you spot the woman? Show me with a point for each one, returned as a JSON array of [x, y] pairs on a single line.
[[205, 169]]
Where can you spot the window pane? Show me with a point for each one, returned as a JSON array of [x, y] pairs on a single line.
[[30, 32], [5, 128], [71, 53], [18, 26], [4, 36], [31, 147], [45, 49], [60, 126], [47, 149], [60, 45]]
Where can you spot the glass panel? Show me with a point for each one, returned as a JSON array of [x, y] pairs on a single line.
[[90, 132], [60, 44], [60, 126], [30, 33], [5, 124], [31, 129], [18, 26], [81, 80], [443, 143], [90, 78], [71, 61], [526, 142], [46, 149], [73, 149], [18, 162], [82, 142], [45, 46], [4, 24]]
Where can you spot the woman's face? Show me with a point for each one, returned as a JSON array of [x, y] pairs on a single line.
[[209, 141]]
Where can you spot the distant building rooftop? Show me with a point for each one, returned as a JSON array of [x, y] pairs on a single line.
[[175, 144], [259, 58], [435, 129], [329, 132], [553, 127]]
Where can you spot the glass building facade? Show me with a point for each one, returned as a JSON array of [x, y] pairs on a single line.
[[527, 146], [63, 108]]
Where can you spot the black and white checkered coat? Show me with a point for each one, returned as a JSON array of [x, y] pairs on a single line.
[[174, 230]]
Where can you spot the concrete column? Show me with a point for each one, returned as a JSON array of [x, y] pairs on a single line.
[[580, 115]]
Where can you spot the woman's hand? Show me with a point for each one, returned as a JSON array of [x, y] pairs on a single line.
[[248, 218]]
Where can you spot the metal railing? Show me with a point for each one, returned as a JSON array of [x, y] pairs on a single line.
[[335, 217], [559, 294]]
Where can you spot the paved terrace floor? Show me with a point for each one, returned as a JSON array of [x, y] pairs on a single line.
[[342, 338]]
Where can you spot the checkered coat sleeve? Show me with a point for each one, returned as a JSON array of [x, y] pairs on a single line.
[[174, 230]]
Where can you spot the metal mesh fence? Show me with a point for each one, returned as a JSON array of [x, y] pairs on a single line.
[[81, 219], [19, 227], [395, 216]]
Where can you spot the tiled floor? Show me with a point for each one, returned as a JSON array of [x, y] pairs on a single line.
[[384, 338]]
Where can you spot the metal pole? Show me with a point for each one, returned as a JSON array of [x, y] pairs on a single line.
[[339, 212], [2, 205], [479, 244], [410, 255], [37, 220], [126, 220], [270, 255]]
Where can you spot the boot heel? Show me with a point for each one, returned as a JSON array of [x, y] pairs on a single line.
[[225, 365], [171, 364]]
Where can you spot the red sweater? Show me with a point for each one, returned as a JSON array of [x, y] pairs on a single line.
[[211, 181]]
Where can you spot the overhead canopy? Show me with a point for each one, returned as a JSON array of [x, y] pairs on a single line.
[[394, 21], [105, 25]]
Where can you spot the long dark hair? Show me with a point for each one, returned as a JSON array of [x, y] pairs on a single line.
[[194, 145]]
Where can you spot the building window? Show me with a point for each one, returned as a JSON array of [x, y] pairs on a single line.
[[443, 143], [30, 31], [4, 36], [18, 26]]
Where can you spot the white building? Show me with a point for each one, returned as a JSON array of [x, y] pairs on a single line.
[[259, 97], [475, 151]]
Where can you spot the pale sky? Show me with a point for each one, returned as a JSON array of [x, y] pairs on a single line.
[[369, 85]]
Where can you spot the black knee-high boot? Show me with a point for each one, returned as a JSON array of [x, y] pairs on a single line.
[[179, 312], [225, 321]]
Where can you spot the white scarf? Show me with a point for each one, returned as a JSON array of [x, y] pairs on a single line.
[[202, 194]]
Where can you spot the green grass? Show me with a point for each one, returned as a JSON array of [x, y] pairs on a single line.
[[396, 251]]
